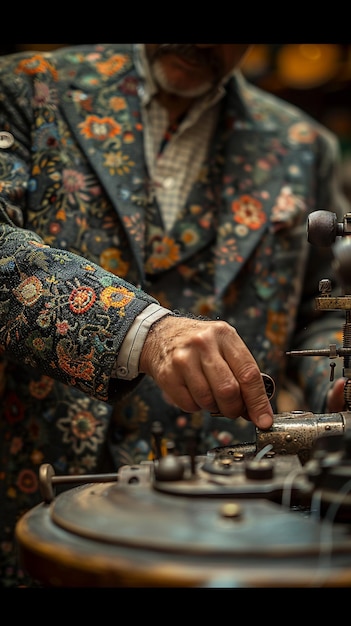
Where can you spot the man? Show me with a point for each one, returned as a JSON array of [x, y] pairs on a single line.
[[153, 253]]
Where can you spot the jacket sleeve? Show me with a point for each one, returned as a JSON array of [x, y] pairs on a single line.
[[59, 313]]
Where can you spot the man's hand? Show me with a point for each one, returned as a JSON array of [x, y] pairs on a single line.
[[206, 365]]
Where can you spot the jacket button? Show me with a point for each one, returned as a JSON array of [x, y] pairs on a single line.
[[6, 139]]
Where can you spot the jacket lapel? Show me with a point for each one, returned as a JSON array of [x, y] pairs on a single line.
[[105, 117], [256, 158], [246, 212]]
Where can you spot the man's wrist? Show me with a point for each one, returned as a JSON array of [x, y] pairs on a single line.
[[126, 366]]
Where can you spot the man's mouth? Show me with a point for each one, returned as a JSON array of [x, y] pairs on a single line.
[[190, 55]]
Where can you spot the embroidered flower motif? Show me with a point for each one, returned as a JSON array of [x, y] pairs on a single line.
[[247, 210], [111, 260], [29, 291], [45, 137], [74, 184], [128, 137], [165, 253], [117, 104], [42, 94], [27, 481], [62, 327], [44, 319], [76, 366], [84, 425], [129, 85], [129, 414], [276, 328], [228, 252], [113, 65], [116, 297], [100, 128], [81, 299], [81, 430], [302, 133], [118, 163], [189, 236], [39, 344], [36, 65], [241, 230], [41, 388], [286, 204]]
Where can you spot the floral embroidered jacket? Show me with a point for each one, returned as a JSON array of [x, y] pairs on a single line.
[[83, 251]]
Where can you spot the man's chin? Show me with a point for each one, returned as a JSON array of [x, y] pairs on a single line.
[[178, 87]]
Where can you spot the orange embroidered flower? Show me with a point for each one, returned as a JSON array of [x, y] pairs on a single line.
[[248, 210], [100, 128], [111, 261], [77, 367], [35, 65], [117, 104], [116, 297], [190, 236], [165, 252], [113, 65], [81, 299]]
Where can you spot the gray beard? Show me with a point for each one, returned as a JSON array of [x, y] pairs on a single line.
[[191, 92]]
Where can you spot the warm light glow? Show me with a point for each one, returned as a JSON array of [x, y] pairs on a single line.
[[307, 65]]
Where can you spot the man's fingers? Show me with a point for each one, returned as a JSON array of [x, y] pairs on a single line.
[[205, 364], [257, 403]]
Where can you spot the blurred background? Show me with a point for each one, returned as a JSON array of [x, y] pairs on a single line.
[[314, 76]]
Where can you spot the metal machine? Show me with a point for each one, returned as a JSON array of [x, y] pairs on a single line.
[[275, 512]]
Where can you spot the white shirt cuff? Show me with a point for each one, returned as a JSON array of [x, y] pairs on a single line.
[[127, 362]]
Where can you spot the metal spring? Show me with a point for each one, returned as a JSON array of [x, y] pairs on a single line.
[[347, 393]]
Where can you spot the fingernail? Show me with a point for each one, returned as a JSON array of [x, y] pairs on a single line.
[[265, 422]]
